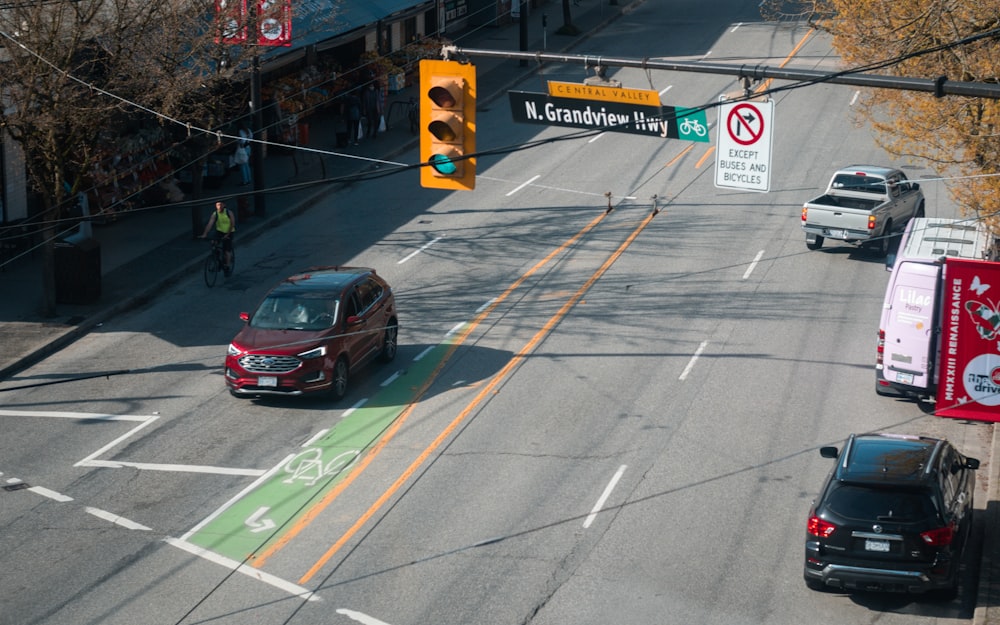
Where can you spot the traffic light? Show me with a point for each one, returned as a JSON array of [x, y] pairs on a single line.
[[447, 125]]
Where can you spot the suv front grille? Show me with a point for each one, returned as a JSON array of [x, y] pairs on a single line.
[[262, 363]]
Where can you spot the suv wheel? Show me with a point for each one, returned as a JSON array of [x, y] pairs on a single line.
[[338, 375], [390, 342]]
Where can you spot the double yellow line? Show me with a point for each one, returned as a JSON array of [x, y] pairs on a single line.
[[306, 519]]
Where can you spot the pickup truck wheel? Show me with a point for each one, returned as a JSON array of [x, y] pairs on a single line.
[[818, 243], [882, 244]]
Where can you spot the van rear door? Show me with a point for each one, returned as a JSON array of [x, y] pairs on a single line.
[[910, 321]]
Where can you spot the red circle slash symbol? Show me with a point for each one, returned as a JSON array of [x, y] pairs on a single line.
[[745, 121]]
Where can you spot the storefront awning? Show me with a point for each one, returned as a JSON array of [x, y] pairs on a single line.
[[315, 21]]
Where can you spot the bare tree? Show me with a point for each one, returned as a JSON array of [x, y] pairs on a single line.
[[959, 135], [75, 72]]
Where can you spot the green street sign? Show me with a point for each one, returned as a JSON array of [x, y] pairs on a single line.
[[666, 122]]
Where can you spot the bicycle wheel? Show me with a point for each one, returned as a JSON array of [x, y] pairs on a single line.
[[232, 262], [211, 269]]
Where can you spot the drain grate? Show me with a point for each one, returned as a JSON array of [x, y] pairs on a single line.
[[18, 486]]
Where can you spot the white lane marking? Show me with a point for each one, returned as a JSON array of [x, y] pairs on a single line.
[[422, 248], [855, 98], [249, 571], [114, 518], [596, 137], [169, 468], [694, 358], [604, 496], [258, 523], [263, 478], [318, 435], [666, 89], [360, 403], [738, 24], [756, 259], [486, 305], [458, 326], [85, 462], [392, 378], [424, 353], [360, 617], [523, 184], [51, 494], [145, 421], [82, 416]]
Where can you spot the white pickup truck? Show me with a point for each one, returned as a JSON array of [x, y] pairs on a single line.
[[863, 204]]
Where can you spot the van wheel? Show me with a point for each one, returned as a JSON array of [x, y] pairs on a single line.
[[815, 245], [338, 376]]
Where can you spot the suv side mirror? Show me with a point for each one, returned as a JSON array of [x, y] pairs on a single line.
[[972, 463], [829, 452]]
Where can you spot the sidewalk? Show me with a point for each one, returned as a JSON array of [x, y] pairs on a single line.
[[129, 278]]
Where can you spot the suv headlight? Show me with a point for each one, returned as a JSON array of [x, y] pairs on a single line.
[[318, 352], [233, 350]]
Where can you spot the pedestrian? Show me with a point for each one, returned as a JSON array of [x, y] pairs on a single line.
[[353, 117], [372, 107], [242, 155], [222, 224]]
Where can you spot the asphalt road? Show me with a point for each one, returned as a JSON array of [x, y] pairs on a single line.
[[621, 423]]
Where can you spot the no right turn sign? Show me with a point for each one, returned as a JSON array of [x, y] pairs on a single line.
[[743, 158]]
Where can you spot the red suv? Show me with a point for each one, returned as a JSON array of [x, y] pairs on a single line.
[[311, 332]]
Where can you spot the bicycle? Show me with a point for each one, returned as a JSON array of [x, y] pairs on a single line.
[[689, 126], [216, 262]]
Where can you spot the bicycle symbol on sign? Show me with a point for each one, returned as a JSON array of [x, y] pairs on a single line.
[[692, 126], [308, 466]]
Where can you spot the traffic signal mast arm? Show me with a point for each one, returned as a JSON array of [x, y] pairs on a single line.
[[938, 86]]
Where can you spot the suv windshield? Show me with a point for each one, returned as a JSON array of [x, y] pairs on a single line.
[[282, 312], [880, 504]]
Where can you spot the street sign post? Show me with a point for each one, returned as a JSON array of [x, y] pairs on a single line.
[[743, 157]]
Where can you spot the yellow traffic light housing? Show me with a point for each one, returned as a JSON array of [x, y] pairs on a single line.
[[447, 125]]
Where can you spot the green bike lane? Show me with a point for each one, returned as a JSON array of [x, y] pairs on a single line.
[[258, 520]]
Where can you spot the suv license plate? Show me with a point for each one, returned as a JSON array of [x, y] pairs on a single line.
[[877, 545], [270, 380]]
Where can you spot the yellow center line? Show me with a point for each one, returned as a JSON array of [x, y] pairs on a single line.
[[294, 530], [487, 390]]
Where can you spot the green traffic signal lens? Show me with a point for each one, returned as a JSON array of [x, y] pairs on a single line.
[[443, 165]]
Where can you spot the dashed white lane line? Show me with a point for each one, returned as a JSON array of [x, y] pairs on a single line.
[[756, 259], [604, 496], [116, 519], [694, 359], [422, 248]]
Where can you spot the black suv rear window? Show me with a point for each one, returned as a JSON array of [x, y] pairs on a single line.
[[854, 501]]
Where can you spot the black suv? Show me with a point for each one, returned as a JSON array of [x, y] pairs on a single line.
[[894, 514]]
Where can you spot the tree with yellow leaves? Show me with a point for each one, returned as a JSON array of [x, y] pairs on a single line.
[[958, 136]]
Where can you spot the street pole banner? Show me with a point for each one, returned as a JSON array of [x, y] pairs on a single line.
[[968, 367], [231, 21], [609, 116], [274, 22]]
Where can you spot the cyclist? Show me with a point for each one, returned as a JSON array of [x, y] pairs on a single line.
[[224, 225]]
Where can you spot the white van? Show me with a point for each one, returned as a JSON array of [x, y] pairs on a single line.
[[909, 331]]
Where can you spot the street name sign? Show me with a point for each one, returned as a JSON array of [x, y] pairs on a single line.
[[580, 91], [743, 157], [667, 122]]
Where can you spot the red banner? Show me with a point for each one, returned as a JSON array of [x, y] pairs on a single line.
[[274, 22], [969, 360], [231, 21]]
